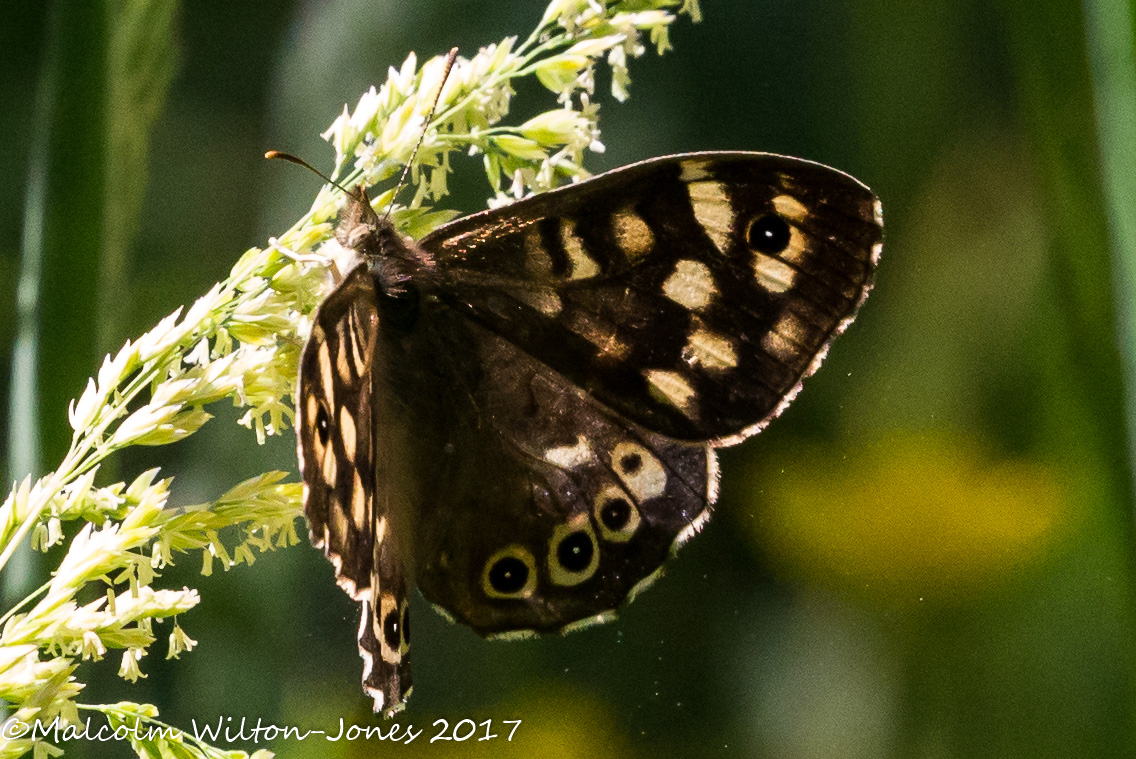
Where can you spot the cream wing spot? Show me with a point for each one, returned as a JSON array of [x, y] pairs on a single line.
[[583, 265], [342, 364], [695, 170], [691, 285], [710, 350], [387, 628], [359, 503], [790, 327], [324, 359], [570, 456], [781, 349], [330, 468], [357, 339], [639, 470], [311, 416], [712, 209], [790, 207], [774, 275], [347, 432], [673, 388], [797, 248], [632, 234], [339, 526]]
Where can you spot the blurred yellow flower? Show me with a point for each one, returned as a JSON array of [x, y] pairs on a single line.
[[908, 519]]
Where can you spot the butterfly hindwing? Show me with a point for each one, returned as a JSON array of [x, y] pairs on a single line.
[[338, 456], [691, 294], [556, 509]]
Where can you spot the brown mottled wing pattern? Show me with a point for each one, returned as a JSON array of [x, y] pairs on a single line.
[[337, 453], [690, 294]]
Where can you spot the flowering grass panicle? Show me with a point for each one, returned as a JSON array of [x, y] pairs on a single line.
[[240, 342]]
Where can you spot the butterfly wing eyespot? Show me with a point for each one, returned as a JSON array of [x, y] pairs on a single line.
[[768, 234], [510, 573], [615, 515], [322, 424], [573, 553], [392, 628], [630, 463]]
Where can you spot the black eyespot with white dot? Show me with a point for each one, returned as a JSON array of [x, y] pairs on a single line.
[[769, 234], [575, 551], [391, 630], [406, 624], [509, 573], [615, 514], [323, 425], [573, 555]]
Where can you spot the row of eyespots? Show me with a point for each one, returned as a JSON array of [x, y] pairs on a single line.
[[573, 554]]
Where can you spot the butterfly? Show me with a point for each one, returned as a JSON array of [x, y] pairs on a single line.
[[517, 414]]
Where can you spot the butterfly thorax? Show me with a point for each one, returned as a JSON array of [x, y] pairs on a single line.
[[399, 267]]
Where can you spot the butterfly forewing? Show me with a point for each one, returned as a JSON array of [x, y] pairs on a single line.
[[337, 452], [691, 294]]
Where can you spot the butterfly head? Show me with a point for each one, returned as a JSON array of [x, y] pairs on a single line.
[[399, 266]]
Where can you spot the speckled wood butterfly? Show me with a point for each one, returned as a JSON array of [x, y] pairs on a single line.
[[518, 413]]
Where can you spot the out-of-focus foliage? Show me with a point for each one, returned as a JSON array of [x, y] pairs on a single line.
[[929, 555]]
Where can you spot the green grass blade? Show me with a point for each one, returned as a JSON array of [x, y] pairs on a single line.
[[142, 58], [1111, 34]]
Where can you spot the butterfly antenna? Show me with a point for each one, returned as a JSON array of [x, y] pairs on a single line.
[[429, 117], [271, 154]]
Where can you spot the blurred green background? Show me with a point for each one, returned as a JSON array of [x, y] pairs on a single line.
[[930, 555]]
